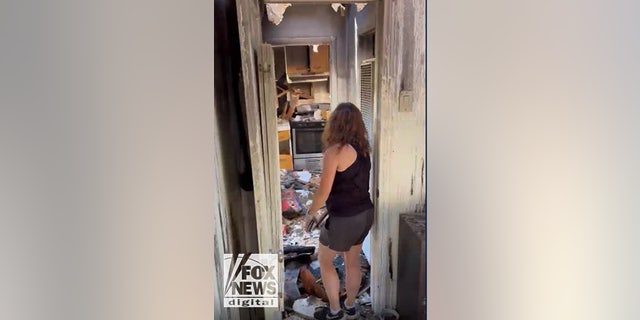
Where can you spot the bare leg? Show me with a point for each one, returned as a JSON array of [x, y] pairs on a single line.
[[329, 276], [354, 273]]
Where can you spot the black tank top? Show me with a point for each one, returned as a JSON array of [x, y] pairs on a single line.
[[350, 190]]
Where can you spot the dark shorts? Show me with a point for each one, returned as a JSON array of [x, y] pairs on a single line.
[[341, 233]]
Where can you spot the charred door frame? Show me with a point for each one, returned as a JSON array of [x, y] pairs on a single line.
[[388, 41]]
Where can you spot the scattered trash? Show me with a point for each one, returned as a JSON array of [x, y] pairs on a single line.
[[364, 264], [317, 115], [291, 291], [364, 299], [302, 258], [388, 314], [299, 249], [314, 267], [366, 312], [338, 263], [303, 193], [303, 182], [304, 176], [310, 284], [364, 287], [301, 252], [291, 206], [306, 307], [294, 317], [297, 236]]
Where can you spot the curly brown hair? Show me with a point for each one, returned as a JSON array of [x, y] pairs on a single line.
[[345, 126]]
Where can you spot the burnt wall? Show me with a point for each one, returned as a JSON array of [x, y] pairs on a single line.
[[231, 129]]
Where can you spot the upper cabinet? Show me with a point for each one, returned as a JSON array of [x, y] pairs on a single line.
[[307, 63], [319, 61], [297, 59]]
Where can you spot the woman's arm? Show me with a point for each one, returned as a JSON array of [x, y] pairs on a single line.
[[329, 168]]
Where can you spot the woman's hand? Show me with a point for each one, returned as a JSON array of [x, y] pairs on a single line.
[[311, 221]]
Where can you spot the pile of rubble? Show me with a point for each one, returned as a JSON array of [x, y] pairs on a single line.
[[303, 289], [298, 188]]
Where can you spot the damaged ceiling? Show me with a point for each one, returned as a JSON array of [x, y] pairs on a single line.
[[275, 11]]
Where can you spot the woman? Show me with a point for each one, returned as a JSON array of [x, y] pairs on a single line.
[[345, 189]]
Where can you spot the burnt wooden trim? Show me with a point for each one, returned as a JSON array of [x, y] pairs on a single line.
[[261, 147], [400, 150], [270, 223]]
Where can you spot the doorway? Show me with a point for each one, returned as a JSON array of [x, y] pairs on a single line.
[[325, 54], [399, 73]]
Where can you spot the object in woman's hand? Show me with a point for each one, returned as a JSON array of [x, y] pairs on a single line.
[[311, 223], [316, 221]]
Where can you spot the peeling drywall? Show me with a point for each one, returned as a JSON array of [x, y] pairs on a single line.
[[275, 12]]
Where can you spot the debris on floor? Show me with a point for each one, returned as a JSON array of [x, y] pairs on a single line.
[[298, 249], [306, 307], [364, 299], [366, 312], [309, 282], [304, 291], [297, 236], [389, 314], [291, 206], [299, 180], [311, 285], [291, 291], [293, 316], [304, 176], [301, 254]]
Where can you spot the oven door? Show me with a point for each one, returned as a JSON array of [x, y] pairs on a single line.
[[307, 142]]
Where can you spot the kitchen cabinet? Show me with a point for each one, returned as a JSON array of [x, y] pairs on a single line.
[[297, 59], [319, 61], [303, 60], [284, 143]]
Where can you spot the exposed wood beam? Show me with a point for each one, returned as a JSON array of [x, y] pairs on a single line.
[[261, 143]]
